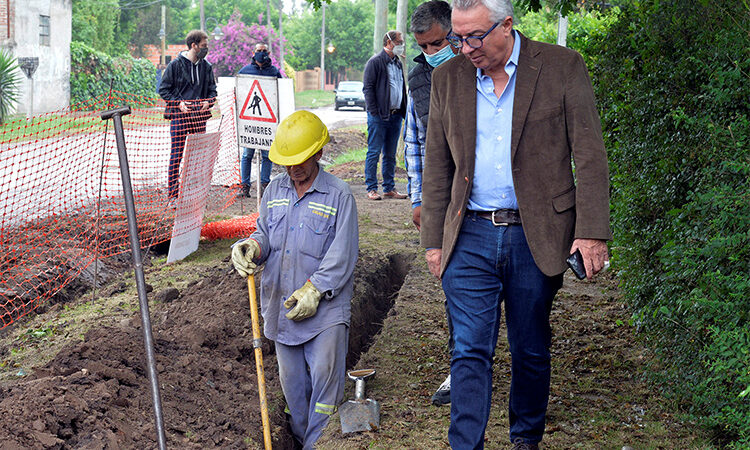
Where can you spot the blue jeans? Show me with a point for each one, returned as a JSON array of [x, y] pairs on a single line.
[[491, 265], [246, 163], [382, 137], [179, 128]]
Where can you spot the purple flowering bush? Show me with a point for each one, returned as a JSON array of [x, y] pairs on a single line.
[[235, 49]]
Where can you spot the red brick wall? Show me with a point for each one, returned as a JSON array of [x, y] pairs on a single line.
[[153, 53]]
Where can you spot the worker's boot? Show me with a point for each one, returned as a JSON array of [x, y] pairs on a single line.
[[244, 191], [263, 187]]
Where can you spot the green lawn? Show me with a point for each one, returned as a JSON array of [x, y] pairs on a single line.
[[313, 99]]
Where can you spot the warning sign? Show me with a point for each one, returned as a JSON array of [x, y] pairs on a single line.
[[256, 105], [257, 111]]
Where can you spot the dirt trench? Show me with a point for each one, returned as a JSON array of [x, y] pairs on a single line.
[[95, 394]]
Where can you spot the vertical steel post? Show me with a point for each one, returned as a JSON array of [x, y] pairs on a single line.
[[323, 48], [140, 282]]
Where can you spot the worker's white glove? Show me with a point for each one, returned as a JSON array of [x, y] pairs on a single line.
[[306, 298], [243, 254]]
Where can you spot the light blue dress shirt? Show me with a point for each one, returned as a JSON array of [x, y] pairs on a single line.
[[396, 81], [493, 179]]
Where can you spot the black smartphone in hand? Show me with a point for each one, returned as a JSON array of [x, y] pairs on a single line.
[[575, 262]]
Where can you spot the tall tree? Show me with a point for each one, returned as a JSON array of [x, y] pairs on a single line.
[[349, 27], [235, 49], [94, 23], [140, 25], [221, 11]]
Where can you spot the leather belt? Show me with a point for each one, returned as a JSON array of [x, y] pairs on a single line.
[[501, 217]]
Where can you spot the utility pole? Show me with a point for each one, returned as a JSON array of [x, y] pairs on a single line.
[[281, 37], [562, 29], [401, 11], [163, 34], [323, 48], [381, 24], [203, 18]]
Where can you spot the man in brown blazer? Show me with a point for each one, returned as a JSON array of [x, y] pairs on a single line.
[[502, 207]]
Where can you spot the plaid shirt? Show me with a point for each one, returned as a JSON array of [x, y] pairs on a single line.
[[414, 139]]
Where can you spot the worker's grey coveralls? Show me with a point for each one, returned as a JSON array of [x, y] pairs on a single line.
[[314, 237]]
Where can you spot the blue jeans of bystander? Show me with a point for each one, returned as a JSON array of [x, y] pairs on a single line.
[[382, 137], [246, 163]]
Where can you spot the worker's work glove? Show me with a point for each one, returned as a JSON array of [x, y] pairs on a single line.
[[243, 254], [306, 298]]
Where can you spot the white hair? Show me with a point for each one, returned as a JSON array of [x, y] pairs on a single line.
[[499, 9]]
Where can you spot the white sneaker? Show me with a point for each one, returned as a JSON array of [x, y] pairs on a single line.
[[443, 394]]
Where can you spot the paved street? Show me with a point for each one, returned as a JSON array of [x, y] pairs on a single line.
[[342, 118]]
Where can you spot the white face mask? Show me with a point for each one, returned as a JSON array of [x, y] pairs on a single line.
[[397, 50]]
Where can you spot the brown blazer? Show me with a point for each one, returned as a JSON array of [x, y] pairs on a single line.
[[554, 117]]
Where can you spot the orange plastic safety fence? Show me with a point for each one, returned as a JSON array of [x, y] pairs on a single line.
[[61, 195], [237, 227]]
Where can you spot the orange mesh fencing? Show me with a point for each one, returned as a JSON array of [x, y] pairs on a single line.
[[61, 197], [236, 227]]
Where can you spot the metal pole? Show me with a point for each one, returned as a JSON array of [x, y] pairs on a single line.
[[203, 18], [163, 33], [31, 103], [140, 282], [323, 49], [281, 37]]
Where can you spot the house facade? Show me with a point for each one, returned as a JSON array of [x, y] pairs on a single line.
[[39, 29]]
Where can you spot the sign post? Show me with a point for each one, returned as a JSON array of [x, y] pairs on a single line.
[[29, 65], [257, 111]]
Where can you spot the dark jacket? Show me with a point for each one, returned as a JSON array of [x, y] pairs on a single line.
[[185, 81], [420, 80], [254, 69], [377, 87], [554, 118]]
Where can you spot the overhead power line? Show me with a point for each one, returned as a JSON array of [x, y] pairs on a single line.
[[137, 4]]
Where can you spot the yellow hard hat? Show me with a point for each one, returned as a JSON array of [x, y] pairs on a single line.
[[298, 137]]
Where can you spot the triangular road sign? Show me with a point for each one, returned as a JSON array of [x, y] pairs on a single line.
[[256, 106]]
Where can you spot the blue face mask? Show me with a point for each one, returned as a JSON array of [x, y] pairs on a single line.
[[440, 56]]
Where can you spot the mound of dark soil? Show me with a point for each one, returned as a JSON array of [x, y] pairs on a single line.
[[96, 394]]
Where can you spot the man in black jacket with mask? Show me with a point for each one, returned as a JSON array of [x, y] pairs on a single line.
[[260, 65], [189, 88], [430, 24]]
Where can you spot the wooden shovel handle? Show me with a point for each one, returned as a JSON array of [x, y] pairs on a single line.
[[259, 361]]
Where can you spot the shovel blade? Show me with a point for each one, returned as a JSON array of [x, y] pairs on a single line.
[[359, 416]]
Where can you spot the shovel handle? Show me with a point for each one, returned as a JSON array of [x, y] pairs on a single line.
[[259, 361]]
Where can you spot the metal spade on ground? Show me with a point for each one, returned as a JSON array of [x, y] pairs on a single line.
[[360, 414]]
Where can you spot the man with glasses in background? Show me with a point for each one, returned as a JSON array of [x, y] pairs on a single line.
[[502, 208]]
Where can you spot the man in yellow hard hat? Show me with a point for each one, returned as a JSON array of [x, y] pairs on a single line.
[[308, 238]]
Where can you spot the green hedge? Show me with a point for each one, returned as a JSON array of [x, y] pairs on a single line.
[[93, 71], [673, 82]]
